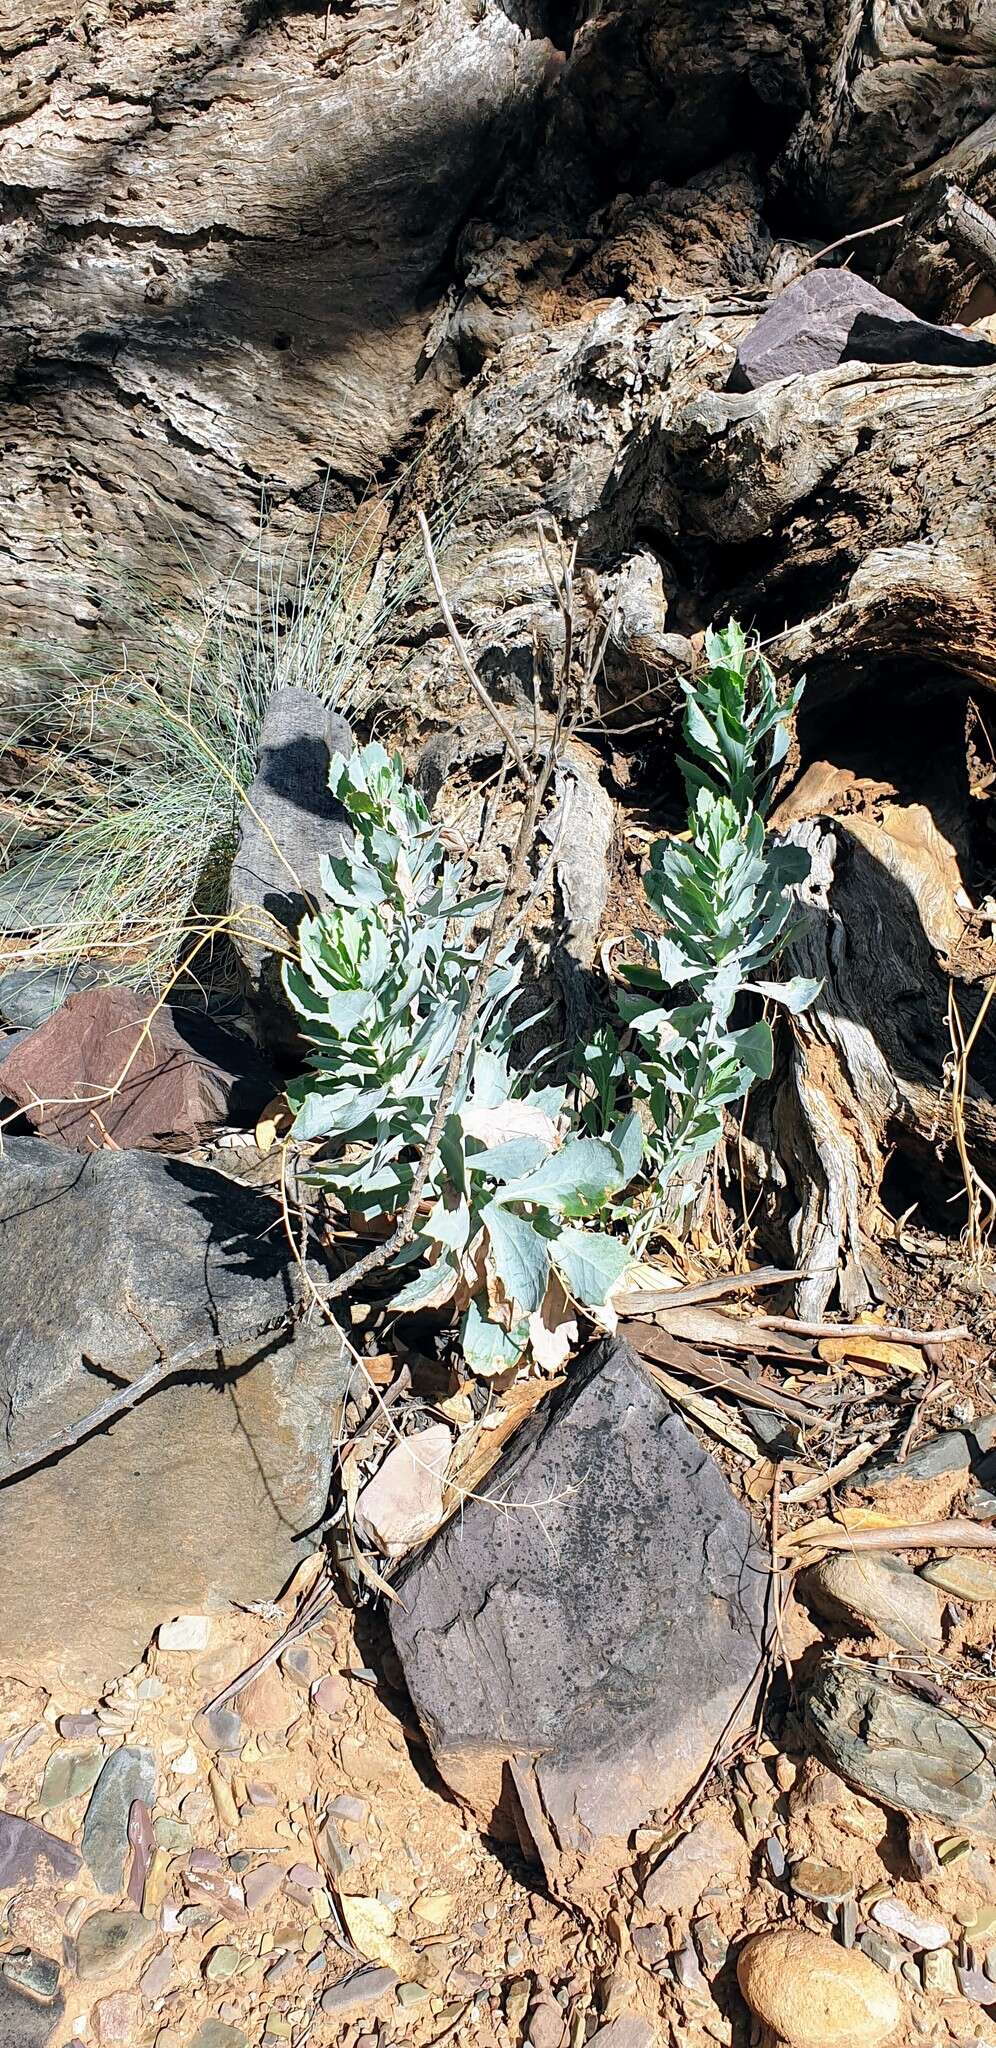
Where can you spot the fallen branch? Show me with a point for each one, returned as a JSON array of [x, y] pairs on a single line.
[[958, 1534], [883, 1333]]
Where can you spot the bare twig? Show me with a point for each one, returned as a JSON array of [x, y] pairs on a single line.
[[464, 658], [810, 1489], [958, 1534], [885, 1333]]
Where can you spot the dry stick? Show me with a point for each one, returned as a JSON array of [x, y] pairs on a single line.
[[882, 1332], [464, 659], [958, 1534], [858, 235]]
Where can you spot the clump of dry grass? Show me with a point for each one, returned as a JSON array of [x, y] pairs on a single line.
[[122, 831]]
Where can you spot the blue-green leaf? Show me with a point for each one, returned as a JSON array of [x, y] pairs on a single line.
[[589, 1263], [519, 1254], [487, 1348]]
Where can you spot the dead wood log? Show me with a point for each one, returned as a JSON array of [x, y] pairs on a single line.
[[865, 1072]]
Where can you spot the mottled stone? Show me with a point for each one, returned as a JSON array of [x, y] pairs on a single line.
[[111, 1939], [24, 2023], [362, 1991], [117, 2019], [68, 1774], [37, 1976], [127, 1775], [645, 1585], [903, 1751], [29, 1853], [217, 2034], [826, 1883]]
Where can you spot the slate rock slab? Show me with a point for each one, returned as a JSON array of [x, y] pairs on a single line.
[[176, 1076], [831, 316], [201, 1493], [29, 996], [903, 1751], [290, 820], [24, 2023], [128, 1774], [29, 1854], [575, 1659]]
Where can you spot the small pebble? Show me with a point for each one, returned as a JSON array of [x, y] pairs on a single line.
[[224, 1802], [515, 1955], [920, 1933], [883, 1949], [300, 1665], [221, 1729], [330, 1695], [361, 1991], [187, 1632], [938, 1970], [347, 1807], [260, 1884], [116, 2020], [155, 1977], [222, 1962], [78, 1727], [826, 1883], [774, 1856]]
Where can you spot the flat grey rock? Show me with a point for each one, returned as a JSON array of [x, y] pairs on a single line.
[[902, 1751], [831, 316], [953, 1450], [128, 1774], [203, 1492], [29, 996], [289, 823], [575, 1659]]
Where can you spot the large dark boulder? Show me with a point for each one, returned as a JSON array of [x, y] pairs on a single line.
[[289, 821], [828, 317], [204, 1492], [576, 1654]]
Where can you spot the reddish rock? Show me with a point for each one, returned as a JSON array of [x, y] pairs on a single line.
[[180, 1076]]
